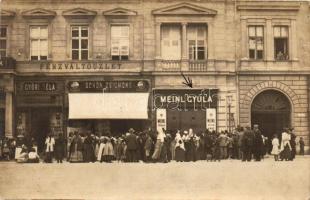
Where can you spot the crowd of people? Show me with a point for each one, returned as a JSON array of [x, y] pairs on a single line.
[[163, 146]]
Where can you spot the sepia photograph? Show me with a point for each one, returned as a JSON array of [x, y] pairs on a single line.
[[154, 99]]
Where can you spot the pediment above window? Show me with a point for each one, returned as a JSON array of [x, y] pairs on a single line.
[[119, 12], [39, 13], [184, 9], [6, 14], [79, 13]]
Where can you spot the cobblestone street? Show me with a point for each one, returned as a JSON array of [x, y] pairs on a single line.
[[229, 179]]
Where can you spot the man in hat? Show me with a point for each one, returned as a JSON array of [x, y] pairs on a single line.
[[247, 144], [293, 143], [132, 145], [258, 143]]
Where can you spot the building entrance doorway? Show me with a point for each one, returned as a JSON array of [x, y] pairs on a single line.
[[271, 110]]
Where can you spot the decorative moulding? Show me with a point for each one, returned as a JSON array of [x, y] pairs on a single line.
[[39, 13], [268, 7], [6, 14], [184, 9], [79, 13], [120, 12]]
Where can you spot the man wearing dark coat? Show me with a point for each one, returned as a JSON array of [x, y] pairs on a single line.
[[293, 144], [89, 151], [257, 143], [247, 144], [59, 148], [132, 145]]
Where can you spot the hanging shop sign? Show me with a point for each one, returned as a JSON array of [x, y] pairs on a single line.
[[109, 86], [39, 86], [185, 99], [161, 119], [211, 119]]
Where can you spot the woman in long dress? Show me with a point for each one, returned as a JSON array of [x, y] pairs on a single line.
[[285, 145], [108, 151], [76, 149], [158, 145], [179, 148]]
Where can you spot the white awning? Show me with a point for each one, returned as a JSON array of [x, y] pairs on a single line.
[[108, 105]]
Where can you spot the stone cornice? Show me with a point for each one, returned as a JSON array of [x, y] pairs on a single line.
[[7, 14], [79, 13], [39, 13], [268, 7], [119, 12]]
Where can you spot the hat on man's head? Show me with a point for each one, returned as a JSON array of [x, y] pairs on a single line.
[[131, 130], [185, 132], [255, 126]]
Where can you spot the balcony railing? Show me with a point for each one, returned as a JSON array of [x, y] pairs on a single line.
[[198, 65], [171, 65], [7, 63]]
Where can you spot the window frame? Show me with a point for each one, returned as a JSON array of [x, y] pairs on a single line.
[[39, 40], [287, 54], [80, 38], [256, 41], [111, 39], [178, 27], [6, 41], [196, 40]]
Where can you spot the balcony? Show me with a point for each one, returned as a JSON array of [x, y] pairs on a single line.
[[195, 66], [7, 63]]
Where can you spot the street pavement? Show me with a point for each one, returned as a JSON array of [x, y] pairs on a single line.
[[228, 179]]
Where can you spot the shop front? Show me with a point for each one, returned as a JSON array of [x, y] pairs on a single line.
[[39, 107], [108, 107], [182, 109]]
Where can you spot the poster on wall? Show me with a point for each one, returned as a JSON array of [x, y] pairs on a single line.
[[161, 119], [211, 119]]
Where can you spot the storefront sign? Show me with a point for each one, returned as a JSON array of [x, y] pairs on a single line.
[[161, 119], [79, 66], [109, 86], [39, 86], [211, 119], [185, 99]]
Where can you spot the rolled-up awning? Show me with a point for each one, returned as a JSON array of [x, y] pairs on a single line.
[[108, 105]]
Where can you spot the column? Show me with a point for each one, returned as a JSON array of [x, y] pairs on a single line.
[[9, 114], [157, 40], [244, 40], [269, 38], [293, 41], [184, 61]]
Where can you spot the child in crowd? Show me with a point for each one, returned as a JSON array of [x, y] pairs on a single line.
[[275, 147]]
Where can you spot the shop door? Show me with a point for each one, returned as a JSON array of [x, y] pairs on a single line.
[[184, 120], [40, 126], [2, 122]]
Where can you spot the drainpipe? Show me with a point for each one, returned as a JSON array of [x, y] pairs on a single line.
[[236, 66]]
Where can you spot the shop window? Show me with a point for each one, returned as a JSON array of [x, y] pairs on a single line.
[[196, 36], [281, 42], [38, 42], [120, 42], [79, 42], [171, 42], [3, 41], [256, 42]]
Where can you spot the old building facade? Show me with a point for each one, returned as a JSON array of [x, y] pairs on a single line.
[[106, 66]]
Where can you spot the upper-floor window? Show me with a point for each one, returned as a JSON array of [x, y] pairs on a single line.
[[38, 42], [120, 42], [281, 50], [256, 42], [79, 43], [3, 41], [196, 36], [171, 42]]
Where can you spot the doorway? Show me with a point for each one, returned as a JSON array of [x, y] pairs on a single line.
[[271, 110], [2, 122]]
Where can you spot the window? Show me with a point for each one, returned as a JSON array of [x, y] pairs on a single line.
[[3, 41], [38, 42], [256, 42], [281, 42], [171, 42], [120, 42], [79, 36], [197, 43]]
